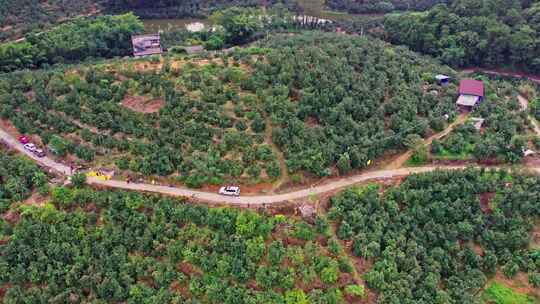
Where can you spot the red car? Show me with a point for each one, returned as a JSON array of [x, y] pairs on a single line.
[[23, 140]]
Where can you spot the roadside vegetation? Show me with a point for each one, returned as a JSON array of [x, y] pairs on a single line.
[[421, 240], [112, 246], [19, 176]]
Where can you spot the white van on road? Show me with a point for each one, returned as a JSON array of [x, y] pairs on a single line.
[[230, 190]]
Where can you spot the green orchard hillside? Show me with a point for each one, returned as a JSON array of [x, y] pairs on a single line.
[[436, 238], [320, 99]]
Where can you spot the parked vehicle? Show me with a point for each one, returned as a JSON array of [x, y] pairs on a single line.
[[23, 139], [30, 147], [39, 153], [230, 190]]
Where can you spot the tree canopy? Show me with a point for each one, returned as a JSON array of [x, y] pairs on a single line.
[[473, 33], [105, 36]]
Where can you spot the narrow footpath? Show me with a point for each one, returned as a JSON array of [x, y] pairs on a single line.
[[525, 106]]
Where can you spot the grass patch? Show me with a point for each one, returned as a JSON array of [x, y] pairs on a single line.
[[465, 154], [497, 293]]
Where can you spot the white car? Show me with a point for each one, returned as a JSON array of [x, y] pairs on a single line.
[[39, 153], [30, 147], [230, 191]]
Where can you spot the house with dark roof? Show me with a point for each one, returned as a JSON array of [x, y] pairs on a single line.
[[471, 93], [146, 45]]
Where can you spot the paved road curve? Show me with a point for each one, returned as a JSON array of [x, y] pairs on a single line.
[[216, 198], [44, 161], [264, 199]]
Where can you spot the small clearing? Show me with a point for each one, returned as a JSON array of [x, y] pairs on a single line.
[[485, 198], [142, 104], [517, 290], [36, 200], [535, 236]]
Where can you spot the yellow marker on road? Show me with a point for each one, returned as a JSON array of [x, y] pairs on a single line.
[[98, 175]]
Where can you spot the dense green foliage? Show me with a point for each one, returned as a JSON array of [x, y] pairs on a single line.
[[18, 177], [207, 129], [239, 26], [112, 247], [432, 241], [20, 16], [182, 8], [497, 293], [333, 97], [326, 97], [503, 133], [480, 33], [104, 36], [378, 6]]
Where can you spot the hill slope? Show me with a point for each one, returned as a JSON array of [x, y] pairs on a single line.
[[329, 100]]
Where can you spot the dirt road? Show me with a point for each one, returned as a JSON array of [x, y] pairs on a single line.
[[260, 200], [402, 159], [216, 198], [525, 105], [534, 78]]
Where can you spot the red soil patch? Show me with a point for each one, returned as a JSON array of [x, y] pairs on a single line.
[[256, 189], [519, 283], [312, 122], [490, 162], [485, 198], [286, 209], [30, 95], [315, 284], [12, 217], [92, 208], [345, 279], [252, 284], [35, 200], [8, 126], [534, 78], [362, 265], [188, 269], [292, 241], [322, 240], [143, 105], [535, 236], [477, 248], [179, 288], [3, 290], [532, 162]]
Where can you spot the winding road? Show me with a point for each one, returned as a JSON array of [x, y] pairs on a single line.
[[256, 200], [202, 196]]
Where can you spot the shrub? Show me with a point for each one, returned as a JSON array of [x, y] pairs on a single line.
[[78, 180], [356, 290]]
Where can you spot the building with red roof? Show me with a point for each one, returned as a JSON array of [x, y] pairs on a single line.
[[471, 93]]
